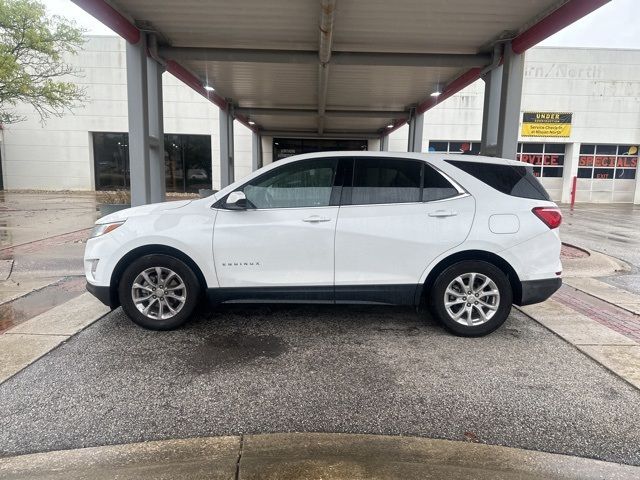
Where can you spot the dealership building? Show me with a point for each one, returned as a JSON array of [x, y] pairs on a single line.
[[580, 117]]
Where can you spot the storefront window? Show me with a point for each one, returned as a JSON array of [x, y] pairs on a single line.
[[457, 146], [187, 161], [547, 158], [111, 159], [608, 161]]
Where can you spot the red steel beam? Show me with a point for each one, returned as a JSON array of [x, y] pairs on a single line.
[[123, 27], [560, 18], [463, 81], [111, 18], [194, 82]]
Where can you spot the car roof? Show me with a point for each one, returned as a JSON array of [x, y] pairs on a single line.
[[438, 160], [431, 157]]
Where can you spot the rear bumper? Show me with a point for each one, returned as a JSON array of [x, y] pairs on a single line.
[[103, 294], [536, 291]]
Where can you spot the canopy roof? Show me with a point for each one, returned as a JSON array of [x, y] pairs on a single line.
[[334, 67]]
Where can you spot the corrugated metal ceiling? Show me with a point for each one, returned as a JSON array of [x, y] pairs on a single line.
[[400, 26]]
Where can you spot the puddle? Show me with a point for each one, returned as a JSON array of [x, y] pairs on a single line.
[[24, 308], [222, 350]]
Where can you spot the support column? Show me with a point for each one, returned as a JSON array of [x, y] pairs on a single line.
[[636, 195], [491, 111], [416, 125], [256, 151], [570, 169], [384, 143], [226, 147], [137, 100], [510, 98], [156, 132]]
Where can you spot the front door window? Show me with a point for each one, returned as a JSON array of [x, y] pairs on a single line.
[[297, 185]]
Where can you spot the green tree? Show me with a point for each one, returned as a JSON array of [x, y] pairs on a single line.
[[33, 47]]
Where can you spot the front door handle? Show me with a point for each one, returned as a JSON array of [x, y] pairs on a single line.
[[316, 219], [443, 213]]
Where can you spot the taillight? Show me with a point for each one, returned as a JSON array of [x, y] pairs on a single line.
[[551, 216]]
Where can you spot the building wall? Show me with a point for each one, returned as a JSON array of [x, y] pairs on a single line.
[[601, 88], [58, 155]]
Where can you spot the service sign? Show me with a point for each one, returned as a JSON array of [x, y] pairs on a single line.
[[546, 124]]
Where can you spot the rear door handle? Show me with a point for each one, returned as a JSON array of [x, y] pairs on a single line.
[[316, 219], [443, 213]]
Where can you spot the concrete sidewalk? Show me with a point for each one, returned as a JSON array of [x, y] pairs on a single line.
[[308, 456], [42, 238], [22, 345], [598, 318]]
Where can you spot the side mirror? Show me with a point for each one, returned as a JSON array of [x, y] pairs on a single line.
[[236, 201]]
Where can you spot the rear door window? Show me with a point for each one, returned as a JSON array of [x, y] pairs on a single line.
[[435, 186], [385, 180], [517, 181]]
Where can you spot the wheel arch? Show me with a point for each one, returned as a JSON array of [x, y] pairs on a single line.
[[149, 250], [482, 255]]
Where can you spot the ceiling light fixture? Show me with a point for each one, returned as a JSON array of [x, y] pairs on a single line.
[[251, 122], [437, 93], [209, 88], [390, 126]]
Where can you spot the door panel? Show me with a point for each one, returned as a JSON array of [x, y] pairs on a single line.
[[379, 242], [275, 247], [393, 244], [286, 236]]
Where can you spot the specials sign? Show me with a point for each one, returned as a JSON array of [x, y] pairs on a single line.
[[546, 124]]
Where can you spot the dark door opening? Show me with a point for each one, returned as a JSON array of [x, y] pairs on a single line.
[[286, 147]]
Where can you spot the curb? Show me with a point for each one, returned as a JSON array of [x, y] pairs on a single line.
[[25, 343], [595, 265], [612, 350], [308, 455]]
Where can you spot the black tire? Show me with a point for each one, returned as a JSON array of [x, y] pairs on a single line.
[[190, 292], [499, 315]]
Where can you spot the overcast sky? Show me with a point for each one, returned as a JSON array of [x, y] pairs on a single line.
[[614, 25]]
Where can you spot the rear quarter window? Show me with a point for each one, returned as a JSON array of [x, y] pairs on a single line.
[[517, 181]]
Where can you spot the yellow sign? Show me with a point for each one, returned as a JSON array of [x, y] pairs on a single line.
[[546, 124]]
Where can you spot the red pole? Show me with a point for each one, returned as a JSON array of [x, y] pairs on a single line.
[[574, 182]]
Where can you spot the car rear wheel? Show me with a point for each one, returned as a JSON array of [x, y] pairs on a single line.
[[471, 298], [158, 292]]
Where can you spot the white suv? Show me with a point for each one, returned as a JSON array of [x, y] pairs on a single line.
[[467, 235]]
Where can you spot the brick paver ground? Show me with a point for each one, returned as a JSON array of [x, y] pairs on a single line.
[[617, 319]]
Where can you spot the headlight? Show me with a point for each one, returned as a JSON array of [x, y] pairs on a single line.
[[104, 228]]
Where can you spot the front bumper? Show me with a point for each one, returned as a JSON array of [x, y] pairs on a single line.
[[103, 294], [536, 291]]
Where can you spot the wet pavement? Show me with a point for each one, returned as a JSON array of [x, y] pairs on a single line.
[[42, 238], [380, 370], [20, 310], [613, 229], [27, 217]]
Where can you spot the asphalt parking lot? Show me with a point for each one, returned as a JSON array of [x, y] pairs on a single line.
[[381, 370]]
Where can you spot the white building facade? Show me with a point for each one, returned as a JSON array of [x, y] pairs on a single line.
[[598, 90]]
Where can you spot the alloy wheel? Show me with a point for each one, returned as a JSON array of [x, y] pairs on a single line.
[[471, 299], [159, 293]]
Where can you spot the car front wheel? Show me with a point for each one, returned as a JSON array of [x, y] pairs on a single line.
[[158, 292], [471, 298]]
